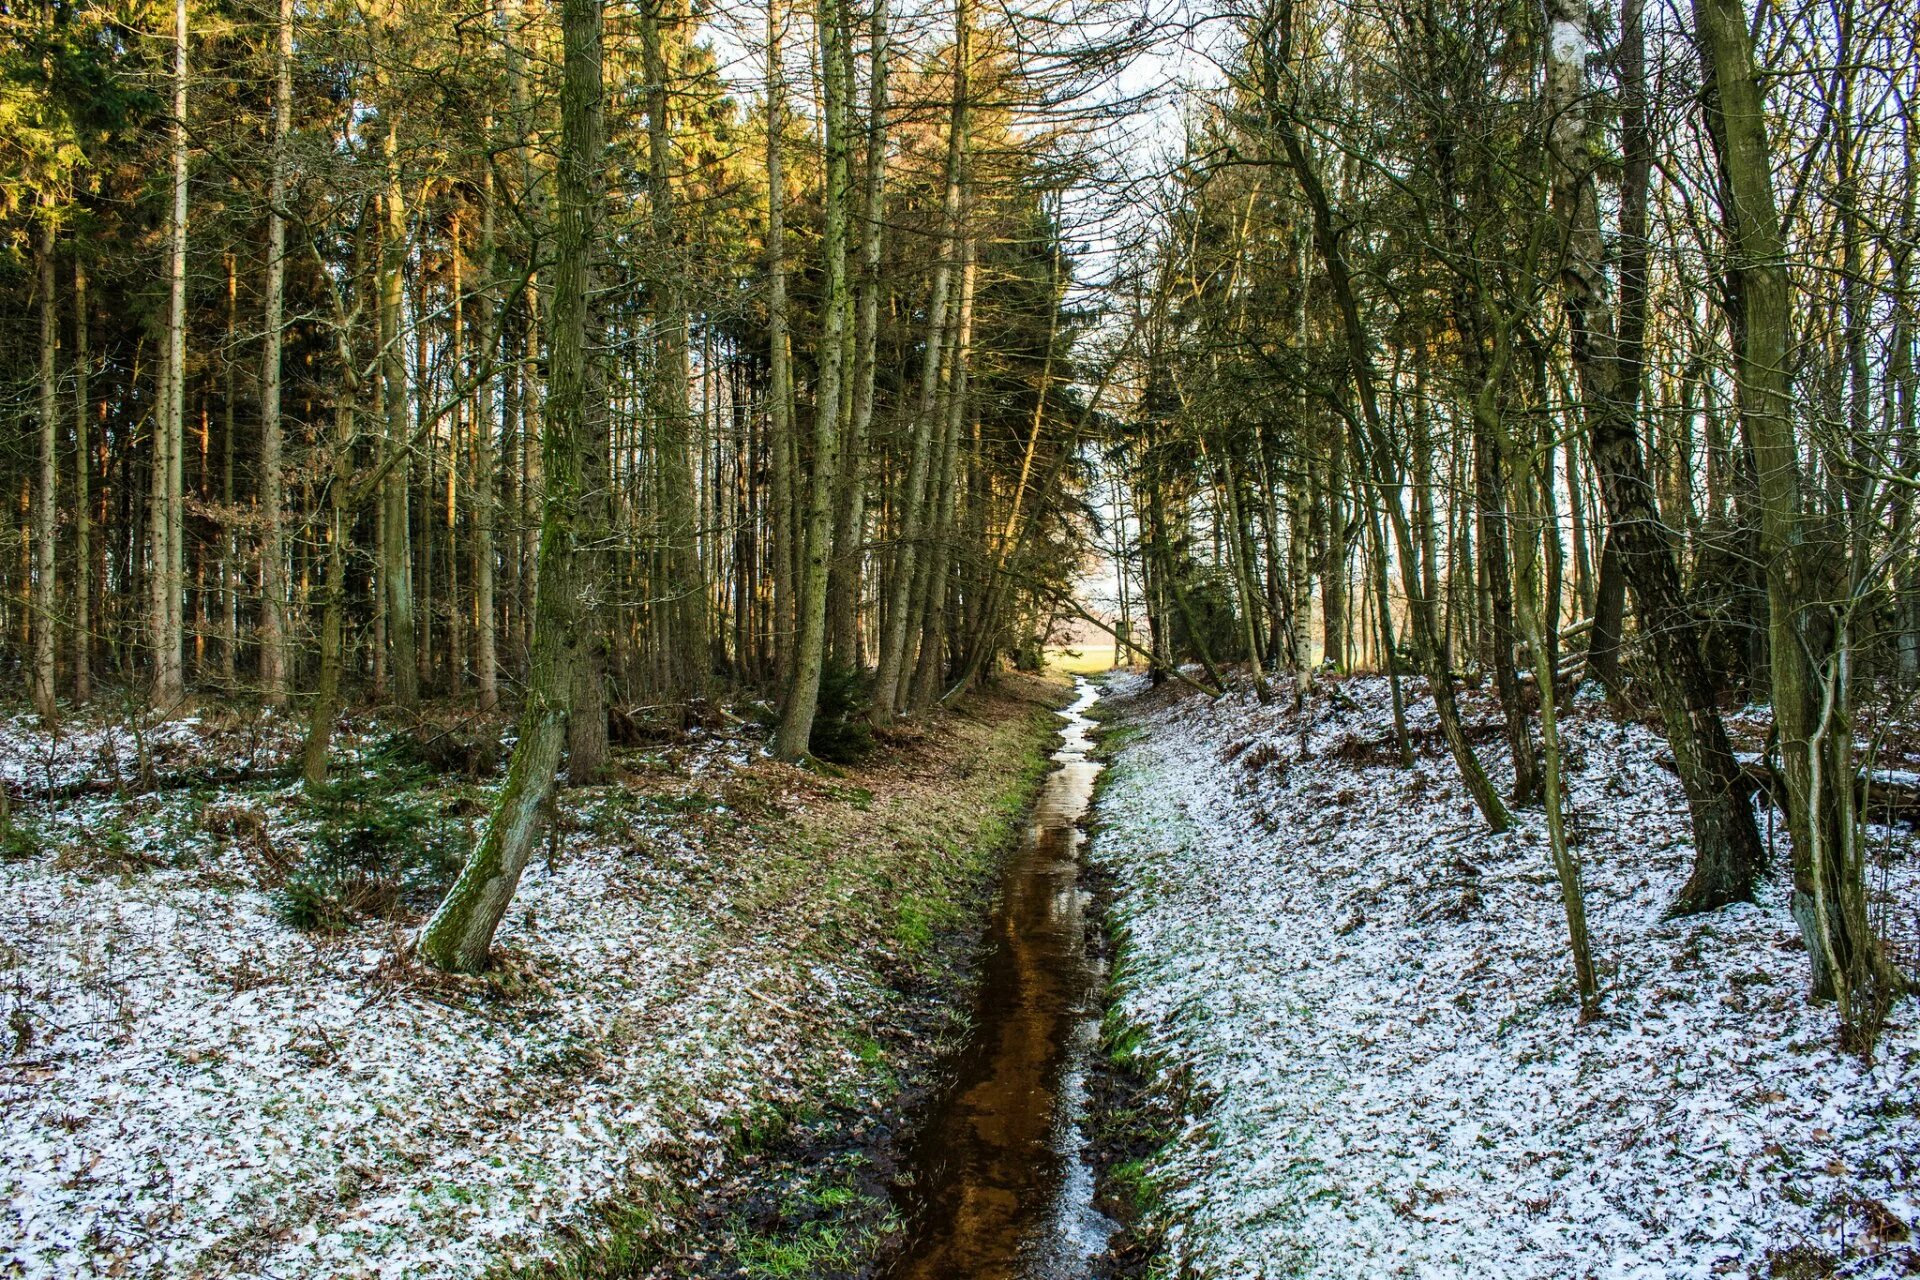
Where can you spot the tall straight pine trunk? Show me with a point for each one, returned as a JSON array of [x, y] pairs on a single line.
[[894, 670], [165, 523], [273, 534], [797, 712], [83, 576], [682, 592], [46, 489], [780, 427], [843, 590], [396, 568]]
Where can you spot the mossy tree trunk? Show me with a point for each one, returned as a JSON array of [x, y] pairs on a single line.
[[460, 934]]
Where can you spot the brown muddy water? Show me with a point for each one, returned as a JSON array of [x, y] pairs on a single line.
[[1001, 1188]]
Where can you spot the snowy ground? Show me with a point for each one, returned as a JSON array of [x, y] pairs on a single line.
[[191, 1087], [1375, 1006]]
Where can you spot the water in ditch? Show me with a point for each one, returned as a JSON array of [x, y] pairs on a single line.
[[1001, 1188]]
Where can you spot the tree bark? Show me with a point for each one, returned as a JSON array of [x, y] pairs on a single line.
[[47, 483], [843, 591], [396, 565], [1809, 646], [912, 514], [683, 605], [460, 934], [796, 719], [780, 408], [83, 577], [486, 658], [165, 513], [1728, 856]]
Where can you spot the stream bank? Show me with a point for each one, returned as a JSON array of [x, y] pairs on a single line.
[[1366, 997], [716, 956]]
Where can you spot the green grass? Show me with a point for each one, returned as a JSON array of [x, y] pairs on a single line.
[[907, 879], [816, 1247]]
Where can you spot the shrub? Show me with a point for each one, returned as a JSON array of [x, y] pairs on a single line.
[[841, 734], [380, 846]]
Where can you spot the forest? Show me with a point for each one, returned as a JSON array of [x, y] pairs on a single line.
[[687, 640]]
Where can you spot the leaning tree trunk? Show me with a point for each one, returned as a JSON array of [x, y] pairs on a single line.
[[1728, 857], [460, 934], [1427, 644]]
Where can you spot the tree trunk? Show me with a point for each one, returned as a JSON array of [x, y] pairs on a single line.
[[486, 660], [396, 566], [912, 514], [47, 484], [82, 495], [1380, 455], [843, 591], [1490, 505], [1808, 645], [780, 409], [1728, 857], [273, 530], [796, 719], [326, 696], [932, 619], [684, 597], [166, 529], [460, 934]]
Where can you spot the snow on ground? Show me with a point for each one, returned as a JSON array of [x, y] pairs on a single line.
[[192, 1087], [1374, 1001]]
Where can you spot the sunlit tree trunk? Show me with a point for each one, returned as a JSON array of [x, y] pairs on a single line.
[[931, 621], [893, 668], [46, 494], [843, 593], [486, 662], [797, 712], [780, 415], [273, 537], [396, 567], [83, 577], [166, 509]]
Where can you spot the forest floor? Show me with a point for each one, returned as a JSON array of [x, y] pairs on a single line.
[[1363, 1005], [718, 960]]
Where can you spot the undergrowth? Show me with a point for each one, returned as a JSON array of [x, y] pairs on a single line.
[[380, 846]]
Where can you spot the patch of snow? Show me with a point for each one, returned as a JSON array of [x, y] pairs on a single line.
[[1374, 1001], [194, 1088]]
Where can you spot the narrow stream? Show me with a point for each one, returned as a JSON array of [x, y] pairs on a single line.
[[1001, 1187]]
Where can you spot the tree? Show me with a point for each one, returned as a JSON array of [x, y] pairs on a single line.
[[460, 934], [796, 719]]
